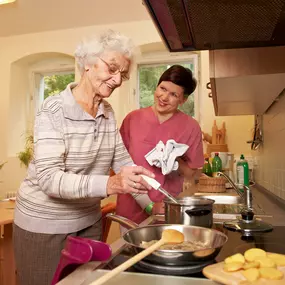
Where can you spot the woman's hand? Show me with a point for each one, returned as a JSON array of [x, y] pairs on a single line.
[[128, 180], [158, 208]]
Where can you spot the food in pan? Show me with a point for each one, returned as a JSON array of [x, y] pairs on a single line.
[[186, 245], [256, 263]]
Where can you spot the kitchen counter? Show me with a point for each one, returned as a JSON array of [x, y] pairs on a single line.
[[130, 278]]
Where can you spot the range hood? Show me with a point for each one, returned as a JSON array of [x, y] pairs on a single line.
[[246, 81], [187, 25]]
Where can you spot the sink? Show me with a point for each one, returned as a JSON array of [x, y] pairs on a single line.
[[227, 212], [223, 199]]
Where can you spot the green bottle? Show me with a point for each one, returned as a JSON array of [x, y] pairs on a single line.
[[242, 173], [216, 164], [207, 169]]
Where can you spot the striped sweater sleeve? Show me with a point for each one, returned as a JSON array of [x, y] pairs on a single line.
[[49, 156]]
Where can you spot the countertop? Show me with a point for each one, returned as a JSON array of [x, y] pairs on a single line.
[[6, 212], [143, 279]]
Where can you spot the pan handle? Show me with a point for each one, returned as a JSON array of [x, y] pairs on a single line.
[[122, 221], [198, 212]]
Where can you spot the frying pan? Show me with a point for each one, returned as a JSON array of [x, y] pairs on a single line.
[[213, 240]]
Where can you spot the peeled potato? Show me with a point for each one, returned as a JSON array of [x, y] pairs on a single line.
[[251, 254], [279, 259], [271, 273], [233, 266], [251, 274], [249, 265], [238, 257], [265, 261]]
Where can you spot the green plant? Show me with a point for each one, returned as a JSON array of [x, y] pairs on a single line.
[[26, 155]]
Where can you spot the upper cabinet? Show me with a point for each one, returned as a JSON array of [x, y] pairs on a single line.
[[246, 81]]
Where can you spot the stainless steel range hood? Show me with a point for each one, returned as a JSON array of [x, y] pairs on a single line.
[[186, 25]]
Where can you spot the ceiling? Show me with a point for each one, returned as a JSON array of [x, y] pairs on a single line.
[[33, 16]]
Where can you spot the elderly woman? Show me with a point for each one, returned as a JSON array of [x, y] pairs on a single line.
[[142, 130], [76, 142]]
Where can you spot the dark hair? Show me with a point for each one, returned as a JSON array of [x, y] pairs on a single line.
[[181, 76]]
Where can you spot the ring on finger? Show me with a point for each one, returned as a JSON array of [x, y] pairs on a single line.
[[134, 185]]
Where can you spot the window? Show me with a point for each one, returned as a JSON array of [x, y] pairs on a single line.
[[49, 84], [56, 83], [149, 75]]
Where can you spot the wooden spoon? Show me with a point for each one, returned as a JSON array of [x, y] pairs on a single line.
[[169, 236]]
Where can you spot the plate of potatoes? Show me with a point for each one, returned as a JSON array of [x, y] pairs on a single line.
[[255, 266]]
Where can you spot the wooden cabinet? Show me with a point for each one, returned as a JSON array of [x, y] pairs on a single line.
[[246, 81]]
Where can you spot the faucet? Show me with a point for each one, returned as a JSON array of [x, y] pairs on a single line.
[[246, 195]]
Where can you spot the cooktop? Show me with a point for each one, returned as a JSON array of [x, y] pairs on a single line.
[[271, 242]]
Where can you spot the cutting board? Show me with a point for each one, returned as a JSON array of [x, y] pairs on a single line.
[[216, 273]]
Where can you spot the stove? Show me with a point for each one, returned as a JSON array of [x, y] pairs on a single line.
[[271, 242]]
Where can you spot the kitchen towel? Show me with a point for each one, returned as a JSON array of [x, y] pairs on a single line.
[[164, 156]]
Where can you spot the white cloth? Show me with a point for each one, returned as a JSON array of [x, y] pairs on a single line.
[[164, 156]]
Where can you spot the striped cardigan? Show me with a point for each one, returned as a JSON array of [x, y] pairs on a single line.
[[67, 178]]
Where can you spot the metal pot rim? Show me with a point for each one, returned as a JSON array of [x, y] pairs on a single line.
[[191, 201]]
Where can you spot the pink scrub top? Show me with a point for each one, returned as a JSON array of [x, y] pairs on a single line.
[[141, 131]]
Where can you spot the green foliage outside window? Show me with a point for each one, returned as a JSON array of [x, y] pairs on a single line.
[[56, 83], [148, 79]]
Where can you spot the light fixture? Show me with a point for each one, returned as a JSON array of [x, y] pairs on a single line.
[[6, 1]]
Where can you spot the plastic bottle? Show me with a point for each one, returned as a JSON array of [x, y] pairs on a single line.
[[216, 164], [207, 169], [242, 173]]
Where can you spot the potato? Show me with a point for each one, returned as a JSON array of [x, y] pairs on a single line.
[[251, 274], [233, 266], [271, 273], [279, 259], [251, 254], [249, 265], [265, 261], [238, 257]]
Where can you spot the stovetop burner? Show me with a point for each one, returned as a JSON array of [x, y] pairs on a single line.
[[270, 241], [184, 270]]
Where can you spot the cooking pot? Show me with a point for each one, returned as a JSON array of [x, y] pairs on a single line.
[[212, 239], [192, 211]]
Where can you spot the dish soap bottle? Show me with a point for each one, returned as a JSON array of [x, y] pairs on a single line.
[[216, 164], [207, 169], [242, 173]]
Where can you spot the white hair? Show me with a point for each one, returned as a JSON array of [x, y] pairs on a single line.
[[88, 51]]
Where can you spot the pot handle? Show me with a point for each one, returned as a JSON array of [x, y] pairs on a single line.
[[122, 221], [198, 212]]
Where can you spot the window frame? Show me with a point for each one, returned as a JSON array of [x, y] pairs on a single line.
[[37, 85]]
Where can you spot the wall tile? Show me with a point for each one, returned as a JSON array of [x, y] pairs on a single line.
[[270, 172]]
